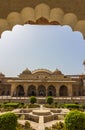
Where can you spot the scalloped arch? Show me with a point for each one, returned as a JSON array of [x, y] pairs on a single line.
[[42, 14]]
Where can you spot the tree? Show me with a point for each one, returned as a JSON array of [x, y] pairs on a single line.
[[49, 100], [75, 120], [33, 99], [8, 121]]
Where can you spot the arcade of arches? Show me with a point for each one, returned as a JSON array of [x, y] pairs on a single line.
[[41, 83], [40, 91]]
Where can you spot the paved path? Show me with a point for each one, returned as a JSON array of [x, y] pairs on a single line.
[[49, 124], [41, 120], [41, 123]]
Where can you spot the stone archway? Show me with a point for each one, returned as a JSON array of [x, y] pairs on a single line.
[[51, 91], [31, 90], [42, 14], [20, 91], [41, 91], [63, 91]]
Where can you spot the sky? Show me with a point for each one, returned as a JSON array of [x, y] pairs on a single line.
[[48, 47]]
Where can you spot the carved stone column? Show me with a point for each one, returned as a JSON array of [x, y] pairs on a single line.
[[70, 93], [37, 91], [13, 92], [25, 90], [57, 90]]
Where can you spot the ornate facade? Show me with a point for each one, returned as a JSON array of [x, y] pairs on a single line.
[[41, 83]]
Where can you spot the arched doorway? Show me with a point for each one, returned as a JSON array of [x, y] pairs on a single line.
[[41, 91], [63, 91], [51, 91], [31, 90], [20, 91], [8, 93], [3, 93]]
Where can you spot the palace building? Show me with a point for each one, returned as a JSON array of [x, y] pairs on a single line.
[[41, 83]]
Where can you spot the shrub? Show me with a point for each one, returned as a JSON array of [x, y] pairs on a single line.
[[33, 105], [58, 126], [72, 106], [33, 99], [47, 128], [20, 127], [75, 120], [83, 106], [8, 121], [27, 125], [49, 100], [21, 105], [13, 105]]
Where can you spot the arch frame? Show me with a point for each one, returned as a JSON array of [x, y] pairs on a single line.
[[41, 90], [42, 14], [19, 91], [31, 90], [63, 91], [51, 90]]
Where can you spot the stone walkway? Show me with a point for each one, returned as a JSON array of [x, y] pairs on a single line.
[[41, 123], [39, 126], [49, 124], [41, 120]]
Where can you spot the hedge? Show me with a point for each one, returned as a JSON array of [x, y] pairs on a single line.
[[13, 105], [74, 106]]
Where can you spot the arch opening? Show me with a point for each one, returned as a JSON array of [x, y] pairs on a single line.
[[51, 91], [41, 91], [31, 90], [20, 91], [63, 91]]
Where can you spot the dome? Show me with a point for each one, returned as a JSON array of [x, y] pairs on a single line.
[[42, 71], [57, 72], [26, 71]]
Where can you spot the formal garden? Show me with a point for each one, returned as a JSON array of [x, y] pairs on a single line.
[[73, 118]]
